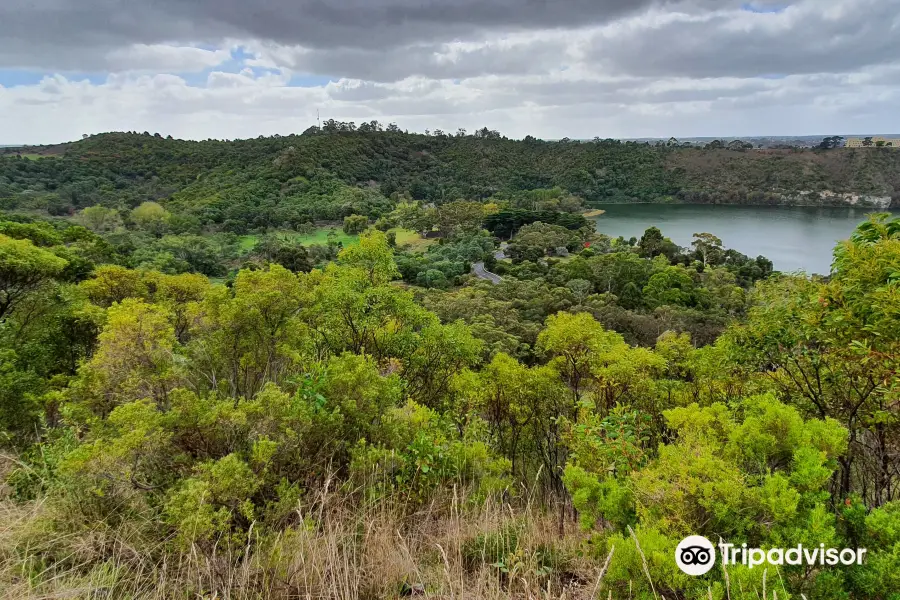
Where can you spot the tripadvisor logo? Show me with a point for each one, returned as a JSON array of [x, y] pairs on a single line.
[[696, 555]]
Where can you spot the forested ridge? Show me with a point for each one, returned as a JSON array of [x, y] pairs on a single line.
[[213, 177], [263, 369]]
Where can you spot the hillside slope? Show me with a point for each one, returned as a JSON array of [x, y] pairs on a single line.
[[126, 169]]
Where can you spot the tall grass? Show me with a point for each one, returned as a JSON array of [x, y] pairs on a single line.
[[336, 548]]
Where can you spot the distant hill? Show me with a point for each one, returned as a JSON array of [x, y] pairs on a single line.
[[281, 174]]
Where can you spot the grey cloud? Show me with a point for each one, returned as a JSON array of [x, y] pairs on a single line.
[[70, 34], [815, 36], [635, 67], [437, 61]]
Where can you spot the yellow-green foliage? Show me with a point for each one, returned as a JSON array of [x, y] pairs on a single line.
[[247, 427], [151, 217], [23, 269], [759, 478]]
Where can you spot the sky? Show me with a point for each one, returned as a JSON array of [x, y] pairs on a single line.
[[229, 69]]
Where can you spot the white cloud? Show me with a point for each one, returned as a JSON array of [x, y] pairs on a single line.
[[235, 105], [158, 58]]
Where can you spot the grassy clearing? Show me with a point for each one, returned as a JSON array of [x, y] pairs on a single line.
[[320, 236], [413, 239], [248, 242]]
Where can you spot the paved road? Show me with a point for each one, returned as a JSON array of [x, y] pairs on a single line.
[[482, 273], [501, 253]]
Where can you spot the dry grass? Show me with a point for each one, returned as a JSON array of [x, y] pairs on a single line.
[[334, 550]]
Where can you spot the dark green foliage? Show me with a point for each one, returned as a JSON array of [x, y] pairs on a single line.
[[444, 264], [538, 239], [20, 389], [285, 251], [506, 223], [186, 253], [652, 243]]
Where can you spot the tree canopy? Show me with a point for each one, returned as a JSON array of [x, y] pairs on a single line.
[[195, 402]]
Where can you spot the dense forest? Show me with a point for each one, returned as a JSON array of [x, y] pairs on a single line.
[[270, 369], [342, 167]]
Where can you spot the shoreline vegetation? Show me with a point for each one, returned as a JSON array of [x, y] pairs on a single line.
[[263, 369]]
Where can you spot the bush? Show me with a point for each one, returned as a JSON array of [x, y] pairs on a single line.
[[355, 224]]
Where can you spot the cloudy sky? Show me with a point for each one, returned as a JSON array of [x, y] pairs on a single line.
[[549, 68]]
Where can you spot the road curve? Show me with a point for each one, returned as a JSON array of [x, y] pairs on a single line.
[[482, 273]]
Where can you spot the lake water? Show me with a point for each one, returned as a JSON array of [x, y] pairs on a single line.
[[793, 238]]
